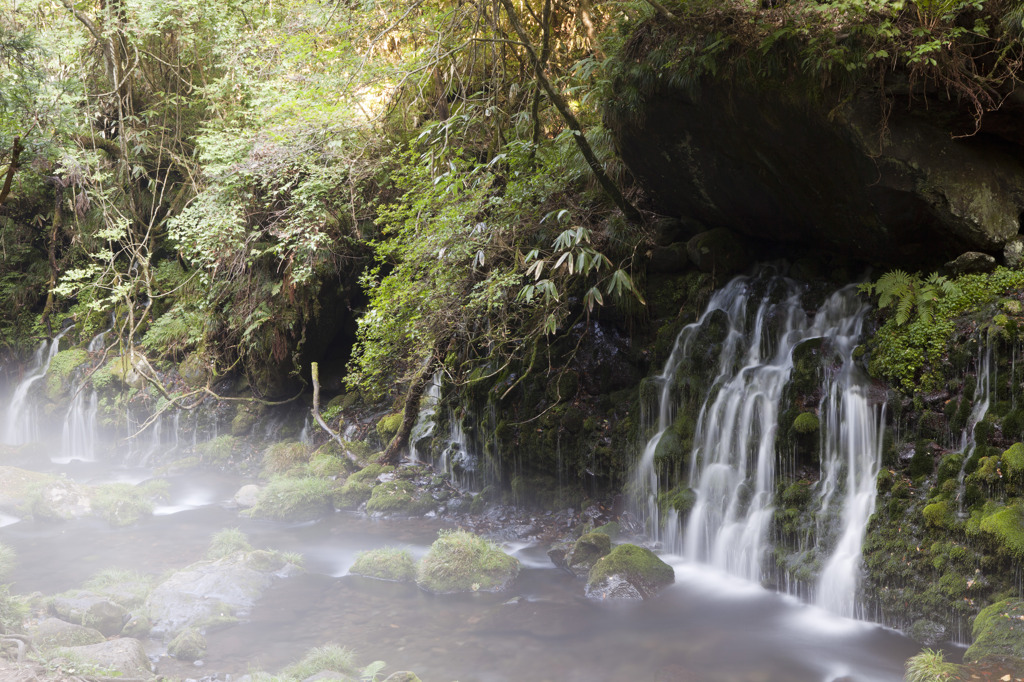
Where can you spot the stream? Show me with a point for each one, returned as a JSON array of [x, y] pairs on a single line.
[[708, 627]]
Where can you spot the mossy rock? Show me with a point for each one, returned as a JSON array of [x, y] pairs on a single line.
[[123, 504], [53, 632], [459, 561], [245, 418], [586, 551], [629, 572], [999, 635], [352, 494], [939, 515], [62, 368], [399, 497], [284, 456], [388, 426], [1013, 463], [387, 563], [295, 499], [195, 370], [806, 423], [370, 473], [138, 626], [612, 529], [797, 494], [188, 645], [1006, 527]]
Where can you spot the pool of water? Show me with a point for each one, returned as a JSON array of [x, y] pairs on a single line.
[[707, 627]]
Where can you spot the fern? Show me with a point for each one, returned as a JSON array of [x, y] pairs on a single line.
[[909, 294]]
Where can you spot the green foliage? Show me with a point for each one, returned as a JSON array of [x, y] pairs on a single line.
[[123, 504], [909, 294], [459, 561], [930, 666], [388, 426], [8, 558], [218, 450], [331, 658], [294, 499], [1006, 527], [387, 563], [284, 456], [226, 542], [909, 353], [13, 611]]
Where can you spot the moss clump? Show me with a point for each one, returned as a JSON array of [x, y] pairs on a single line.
[[388, 426], [387, 563], [330, 658], [61, 368], [352, 494], [188, 645], [939, 515], [638, 566], [121, 586], [294, 499], [123, 504], [1013, 463], [460, 561], [611, 529], [998, 633], [282, 457], [369, 473], [218, 450], [806, 422], [1006, 527], [325, 464], [226, 542], [398, 497], [797, 495]]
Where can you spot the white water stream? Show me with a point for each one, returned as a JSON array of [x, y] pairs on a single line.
[[734, 459]]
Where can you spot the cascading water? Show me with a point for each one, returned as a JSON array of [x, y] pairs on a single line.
[[20, 423], [78, 438], [425, 424], [979, 408], [734, 456]]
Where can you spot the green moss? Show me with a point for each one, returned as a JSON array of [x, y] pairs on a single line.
[[226, 542], [330, 658], [399, 497], [218, 450], [386, 563], [388, 426], [1013, 463], [122, 503], [587, 550], [63, 365], [939, 515], [352, 494], [949, 467], [806, 422], [638, 565], [294, 499], [284, 456], [459, 561], [611, 529], [369, 473], [1006, 527], [797, 494], [325, 464], [998, 633], [188, 645]]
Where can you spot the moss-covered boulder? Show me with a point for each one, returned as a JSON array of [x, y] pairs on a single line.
[[586, 551], [460, 561], [61, 500], [125, 656], [188, 645], [399, 498], [54, 632], [295, 499], [386, 563], [61, 370], [284, 456], [92, 610], [999, 636], [629, 572]]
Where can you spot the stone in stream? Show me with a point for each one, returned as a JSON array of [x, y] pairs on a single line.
[[188, 645], [213, 592], [90, 609], [247, 496], [54, 632], [628, 572], [125, 655], [586, 552]]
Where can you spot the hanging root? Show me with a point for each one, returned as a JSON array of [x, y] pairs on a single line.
[[21, 642]]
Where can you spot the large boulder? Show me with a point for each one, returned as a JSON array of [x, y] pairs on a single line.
[[629, 572], [54, 632], [125, 655], [999, 636], [789, 162], [586, 551], [212, 592], [62, 500], [90, 609], [459, 561], [18, 488]]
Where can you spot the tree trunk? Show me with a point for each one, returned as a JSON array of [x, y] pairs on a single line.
[[16, 150], [400, 443], [562, 106]]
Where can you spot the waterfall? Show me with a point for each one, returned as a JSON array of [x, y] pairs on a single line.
[[424, 427], [733, 459], [979, 408], [20, 423], [456, 459], [78, 438]]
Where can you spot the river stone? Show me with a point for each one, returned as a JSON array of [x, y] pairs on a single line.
[[138, 626], [207, 591], [89, 609], [928, 632], [628, 572], [62, 500], [971, 263], [188, 645], [247, 496], [586, 551], [1013, 253], [51, 632], [124, 655]]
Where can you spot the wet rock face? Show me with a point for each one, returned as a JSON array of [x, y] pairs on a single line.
[[776, 163]]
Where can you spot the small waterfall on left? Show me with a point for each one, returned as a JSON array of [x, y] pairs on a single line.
[[21, 424], [78, 438]]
